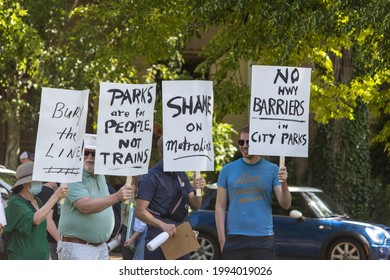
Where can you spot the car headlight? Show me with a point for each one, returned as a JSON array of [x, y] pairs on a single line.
[[377, 234]]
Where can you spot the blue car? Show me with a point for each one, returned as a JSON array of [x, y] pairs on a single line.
[[313, 228]]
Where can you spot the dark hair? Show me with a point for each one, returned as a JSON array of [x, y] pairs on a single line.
[[245, 129], [16, 190]]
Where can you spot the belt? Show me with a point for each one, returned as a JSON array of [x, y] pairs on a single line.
[[80, 241]]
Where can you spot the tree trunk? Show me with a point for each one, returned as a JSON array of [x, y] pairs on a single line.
[[13, 143]]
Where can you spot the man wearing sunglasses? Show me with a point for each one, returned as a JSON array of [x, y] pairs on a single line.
[[87, 219], [243, 209]]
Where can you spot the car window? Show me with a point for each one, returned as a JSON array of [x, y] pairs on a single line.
[[323, 205], [298, 203]]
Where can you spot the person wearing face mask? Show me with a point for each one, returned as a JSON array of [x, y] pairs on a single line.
[[26, 217]]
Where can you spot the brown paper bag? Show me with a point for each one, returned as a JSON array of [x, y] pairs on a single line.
[[182, 243]]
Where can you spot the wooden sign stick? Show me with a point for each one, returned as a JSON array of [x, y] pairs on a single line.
[[129, 180], [281, 164], [197, 191], [62, 200]]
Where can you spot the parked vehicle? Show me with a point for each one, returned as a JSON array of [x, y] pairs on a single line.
[[313, 228], [7, 180]]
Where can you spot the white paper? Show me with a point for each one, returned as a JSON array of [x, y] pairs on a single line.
[[125, 128], [157, 241], [61, 129], [3, 220], [187, 125], [279, 112]]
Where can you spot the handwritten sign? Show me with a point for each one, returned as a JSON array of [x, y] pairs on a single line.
[[279, 112], [61, 130], [125, 128], [187, 124]]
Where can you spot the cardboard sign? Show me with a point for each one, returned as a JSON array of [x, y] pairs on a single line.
[[279, 111], [61, 129], [187, 125], [125, 128], [182, 243]]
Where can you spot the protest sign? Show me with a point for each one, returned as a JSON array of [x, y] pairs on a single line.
[[61, 129], [3, 219], [125, 128], [279, 111], [187, 125]]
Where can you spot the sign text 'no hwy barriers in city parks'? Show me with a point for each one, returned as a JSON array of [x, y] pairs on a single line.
[[279, 111]]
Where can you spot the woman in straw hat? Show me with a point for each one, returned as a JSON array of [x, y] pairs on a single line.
[[26, 217]]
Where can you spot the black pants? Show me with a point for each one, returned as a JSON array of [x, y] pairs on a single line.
[[249, 254]]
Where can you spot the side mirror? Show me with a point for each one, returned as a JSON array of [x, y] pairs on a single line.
[[295, 214]]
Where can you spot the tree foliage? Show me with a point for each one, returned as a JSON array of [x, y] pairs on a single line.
[[302, 33], [346, 43], [21, 48], [77, 44]]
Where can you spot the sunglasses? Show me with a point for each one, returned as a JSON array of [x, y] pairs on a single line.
[[242, 142], [86, 153]]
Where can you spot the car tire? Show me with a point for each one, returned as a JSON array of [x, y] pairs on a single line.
[[346, 249], [209, 248]]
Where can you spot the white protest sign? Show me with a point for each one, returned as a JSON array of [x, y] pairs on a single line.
[[187, 125], [125, 128], [3, 219], [279, 112], [61, 129]]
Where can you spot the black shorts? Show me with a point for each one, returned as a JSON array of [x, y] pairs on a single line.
[[241, 247]]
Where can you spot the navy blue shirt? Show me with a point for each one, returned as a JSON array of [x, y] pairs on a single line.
[[160, 189]]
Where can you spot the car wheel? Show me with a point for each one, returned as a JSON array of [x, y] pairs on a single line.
[[209, 248], [346, 249]]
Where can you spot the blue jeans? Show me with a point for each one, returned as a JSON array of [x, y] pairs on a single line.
[[140, 246]]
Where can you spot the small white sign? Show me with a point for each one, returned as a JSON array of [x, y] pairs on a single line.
[[279, 111], [187, 125], [61, 129], [125, 128], [3, 219]]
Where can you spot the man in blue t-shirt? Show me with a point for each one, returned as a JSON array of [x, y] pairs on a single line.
[[243, 209]]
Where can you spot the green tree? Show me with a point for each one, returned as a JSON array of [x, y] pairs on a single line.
[[21, 49], [346, 44]]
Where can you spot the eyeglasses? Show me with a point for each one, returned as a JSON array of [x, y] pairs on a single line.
[[86, 153], [242, 142]]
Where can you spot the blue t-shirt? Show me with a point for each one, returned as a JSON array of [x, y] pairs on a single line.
[[250, 190]]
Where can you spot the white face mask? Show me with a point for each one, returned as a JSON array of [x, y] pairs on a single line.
[[36, 187]]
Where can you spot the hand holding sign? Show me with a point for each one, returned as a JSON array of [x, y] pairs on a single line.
[[282, 170], [199, 183], [125, 193], [128, 183], [61, 192]]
